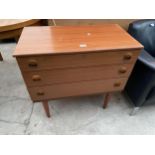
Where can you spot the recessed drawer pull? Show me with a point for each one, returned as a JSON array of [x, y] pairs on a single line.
[[128, 56], [123, 70], [117, 84], [33, 63], [36, 78], [40, 93]]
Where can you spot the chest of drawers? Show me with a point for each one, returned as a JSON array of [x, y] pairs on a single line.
[[65, 61]]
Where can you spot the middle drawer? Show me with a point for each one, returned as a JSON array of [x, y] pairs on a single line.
[[68, 75]]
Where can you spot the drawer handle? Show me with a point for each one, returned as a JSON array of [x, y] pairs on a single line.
[[128, 56], [117, 84], [36, 78], [123, 70], [40, 93], [33, 63]]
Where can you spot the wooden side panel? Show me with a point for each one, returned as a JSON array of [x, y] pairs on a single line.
[[76, 60], [45, 77]]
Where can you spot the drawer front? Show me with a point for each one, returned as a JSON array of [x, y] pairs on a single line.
[[76, 89], [68, 75], [76, 60]]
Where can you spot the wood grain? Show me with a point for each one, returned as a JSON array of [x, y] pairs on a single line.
[[64, 61], [13, 31], [13, 24], [10, 34], [74, 39], [57, 76], [75, 89], [76, 60]]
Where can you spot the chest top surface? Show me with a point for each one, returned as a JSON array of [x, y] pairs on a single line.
[[72, 39]]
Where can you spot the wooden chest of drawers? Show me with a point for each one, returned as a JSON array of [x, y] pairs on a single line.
[[68, 61]]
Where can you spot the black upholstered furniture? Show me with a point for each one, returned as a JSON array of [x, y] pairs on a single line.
[[140, 87]]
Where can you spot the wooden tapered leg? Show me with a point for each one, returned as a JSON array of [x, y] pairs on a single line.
[[1, 58], [106, 99], [46, 108]]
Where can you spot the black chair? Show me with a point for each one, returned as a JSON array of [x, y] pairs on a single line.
[[140, 87]]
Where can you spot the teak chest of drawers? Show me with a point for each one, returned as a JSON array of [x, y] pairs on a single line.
[[63, 61]]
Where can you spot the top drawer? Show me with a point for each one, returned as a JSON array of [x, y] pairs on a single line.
[[41, 62]]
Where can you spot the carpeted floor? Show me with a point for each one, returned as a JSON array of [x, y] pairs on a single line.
[[79, 115]]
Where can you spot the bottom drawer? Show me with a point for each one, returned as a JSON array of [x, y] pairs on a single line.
[[75, 89]]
